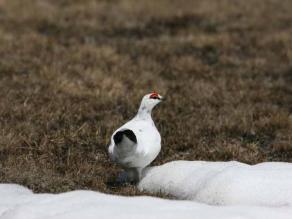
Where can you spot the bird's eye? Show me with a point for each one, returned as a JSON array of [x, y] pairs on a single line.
[[154, 95]]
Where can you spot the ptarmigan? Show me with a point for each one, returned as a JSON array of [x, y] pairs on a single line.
[[137, 143]]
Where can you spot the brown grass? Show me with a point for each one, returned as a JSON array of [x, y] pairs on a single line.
[[73, 71]]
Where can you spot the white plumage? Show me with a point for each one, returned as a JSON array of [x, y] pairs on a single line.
[[137, 143]]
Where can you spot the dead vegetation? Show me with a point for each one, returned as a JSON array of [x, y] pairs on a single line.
[[73, 71]]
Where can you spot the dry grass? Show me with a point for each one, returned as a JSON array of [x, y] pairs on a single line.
[[73, 71]]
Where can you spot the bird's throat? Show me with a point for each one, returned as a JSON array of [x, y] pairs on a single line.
[[144, 112]]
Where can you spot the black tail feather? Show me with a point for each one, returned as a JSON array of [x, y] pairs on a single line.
[[118, 137]]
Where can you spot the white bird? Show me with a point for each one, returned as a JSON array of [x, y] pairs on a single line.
[[137, 143]]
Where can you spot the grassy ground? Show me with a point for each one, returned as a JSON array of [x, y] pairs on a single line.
[[73, 71]]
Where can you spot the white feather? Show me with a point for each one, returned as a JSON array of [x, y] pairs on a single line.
[[148, 144]]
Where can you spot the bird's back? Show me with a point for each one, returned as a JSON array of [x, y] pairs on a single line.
[[138, 152]]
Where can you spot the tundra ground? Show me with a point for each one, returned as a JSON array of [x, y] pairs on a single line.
[[73, 71]]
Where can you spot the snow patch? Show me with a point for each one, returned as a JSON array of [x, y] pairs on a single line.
[[251, 192], [18, 202], [222, 183]]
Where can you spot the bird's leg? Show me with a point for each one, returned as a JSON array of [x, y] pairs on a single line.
[[133, 175], [130, 175], [139, 174], [122, 177]]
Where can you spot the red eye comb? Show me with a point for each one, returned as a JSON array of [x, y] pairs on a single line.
[[154, 94]]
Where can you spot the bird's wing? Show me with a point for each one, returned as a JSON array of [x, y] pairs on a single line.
[[139, 154], [146, 133]]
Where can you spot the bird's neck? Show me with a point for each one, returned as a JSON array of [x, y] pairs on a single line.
[[144, 112]]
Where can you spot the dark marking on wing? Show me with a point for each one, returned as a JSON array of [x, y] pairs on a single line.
[[118, 137]]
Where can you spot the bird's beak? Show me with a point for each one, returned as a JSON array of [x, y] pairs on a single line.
[[162, 98]]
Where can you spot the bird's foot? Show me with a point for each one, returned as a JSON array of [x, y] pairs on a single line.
[[123, 178]]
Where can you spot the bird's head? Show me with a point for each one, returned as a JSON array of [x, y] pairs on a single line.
[[149, 101]]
